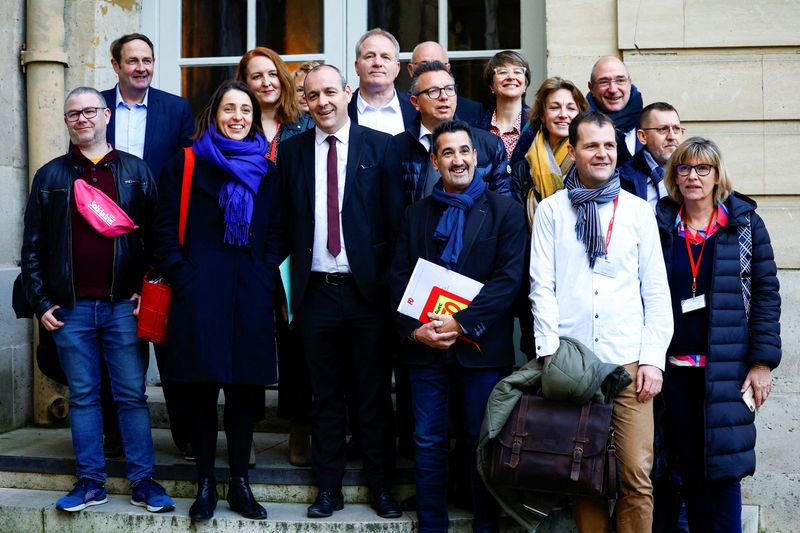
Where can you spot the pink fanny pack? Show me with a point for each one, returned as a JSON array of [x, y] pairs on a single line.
[[100, 211]]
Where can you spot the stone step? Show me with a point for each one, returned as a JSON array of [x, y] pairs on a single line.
[[37, 458], [24, 511]]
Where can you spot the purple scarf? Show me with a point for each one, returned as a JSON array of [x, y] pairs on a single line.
[[244, 163]]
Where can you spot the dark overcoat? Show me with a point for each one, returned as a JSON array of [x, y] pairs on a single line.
[[494, 240], [734, 345], [221, 324]]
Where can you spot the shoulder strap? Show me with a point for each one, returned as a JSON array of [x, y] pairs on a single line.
[[188, 170], [745, 234]]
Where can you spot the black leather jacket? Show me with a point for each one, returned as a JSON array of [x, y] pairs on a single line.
[[47, 239]]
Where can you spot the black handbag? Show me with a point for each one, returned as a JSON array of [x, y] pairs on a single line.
[[556, 447]]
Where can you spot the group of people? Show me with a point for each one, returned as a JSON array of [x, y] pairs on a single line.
[[355, 187]]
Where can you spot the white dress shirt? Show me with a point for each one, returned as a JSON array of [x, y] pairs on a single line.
[[622, 319], [387, 118], [425, 137], [321, 259], [130, 123]]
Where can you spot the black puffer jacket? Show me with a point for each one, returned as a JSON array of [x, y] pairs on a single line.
[[47, 239], [734, 345]]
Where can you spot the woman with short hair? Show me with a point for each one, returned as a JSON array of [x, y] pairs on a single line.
[[726, 309]]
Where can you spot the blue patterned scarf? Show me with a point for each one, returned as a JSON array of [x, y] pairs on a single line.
[[244, 163], [450, 229], [585, 201]]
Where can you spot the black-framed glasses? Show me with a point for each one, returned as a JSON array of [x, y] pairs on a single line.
[[664, 130], [435, 92], [703, 169], [88, 112]]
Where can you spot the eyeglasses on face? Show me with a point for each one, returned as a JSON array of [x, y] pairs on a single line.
[[606, 82], [703, 169], [505, 72], [88, 112], [664, 130], [434, 92]]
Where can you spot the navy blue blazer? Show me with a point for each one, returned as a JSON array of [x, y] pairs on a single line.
[[634, 173], [495, 236], [371, 209], [406, 109], [170, 125]]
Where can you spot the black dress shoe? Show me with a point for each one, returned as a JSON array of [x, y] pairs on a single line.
[[326, 503], [385, 505], [206, 501], [241, 500]]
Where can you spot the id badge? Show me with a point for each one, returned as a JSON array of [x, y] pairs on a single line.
[[693, 304], [604, 267]]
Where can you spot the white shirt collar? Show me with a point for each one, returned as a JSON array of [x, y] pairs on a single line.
[[393, 104], [342, 134]]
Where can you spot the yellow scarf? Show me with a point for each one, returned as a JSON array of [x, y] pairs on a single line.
[[548, 169]]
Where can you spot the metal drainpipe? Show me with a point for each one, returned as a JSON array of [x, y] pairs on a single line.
[[43, 60]]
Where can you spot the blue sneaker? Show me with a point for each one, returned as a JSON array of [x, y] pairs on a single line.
[[86, 492], [152, 496]]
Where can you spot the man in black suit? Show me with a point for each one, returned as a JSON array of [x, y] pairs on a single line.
[[464, 227], [343, 203], [152, 125], [376, 103]]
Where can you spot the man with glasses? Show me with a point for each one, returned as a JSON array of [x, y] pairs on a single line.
[[611, 92], [376, 103], [83, 284], [660, 133], [433, 94], [469, 111]]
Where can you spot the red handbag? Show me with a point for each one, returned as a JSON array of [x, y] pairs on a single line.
[[156, 292]]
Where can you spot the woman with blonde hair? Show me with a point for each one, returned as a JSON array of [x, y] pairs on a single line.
[[300, 77], [726, 308]]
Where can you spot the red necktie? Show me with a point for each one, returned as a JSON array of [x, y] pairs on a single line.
[[334, 243]]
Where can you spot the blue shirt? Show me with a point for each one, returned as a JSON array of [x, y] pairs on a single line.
[[130, 124]]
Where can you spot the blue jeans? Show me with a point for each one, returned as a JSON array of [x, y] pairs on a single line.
[[92, 328], [431, 388]]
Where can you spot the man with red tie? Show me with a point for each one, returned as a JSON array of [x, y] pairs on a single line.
[[343, 203]]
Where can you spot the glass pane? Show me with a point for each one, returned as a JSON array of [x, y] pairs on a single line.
[[410, 21], [469, 77], [290, 27], [214, 28], [199, 83], [483, 24]]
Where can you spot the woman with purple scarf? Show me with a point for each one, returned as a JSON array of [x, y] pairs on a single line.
[[221, 331]]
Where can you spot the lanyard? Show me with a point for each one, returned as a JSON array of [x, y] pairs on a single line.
[[696, 266], [274, 149], [611, 224]]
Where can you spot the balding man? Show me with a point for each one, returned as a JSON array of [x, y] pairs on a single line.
[[376, 103], [612, 92], [469, 111]]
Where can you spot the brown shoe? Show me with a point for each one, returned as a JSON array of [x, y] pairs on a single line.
[[299, 445]]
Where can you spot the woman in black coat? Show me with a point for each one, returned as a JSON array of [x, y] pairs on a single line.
[[726, 309], [221, 332]]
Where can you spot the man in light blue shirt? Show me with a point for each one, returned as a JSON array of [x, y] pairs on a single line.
[[152, 125]]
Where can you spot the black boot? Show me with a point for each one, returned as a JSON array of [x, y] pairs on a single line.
[[241, 500], [206, 501]]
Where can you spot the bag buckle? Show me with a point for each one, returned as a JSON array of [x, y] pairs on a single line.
[[577, 457], [516, 448]]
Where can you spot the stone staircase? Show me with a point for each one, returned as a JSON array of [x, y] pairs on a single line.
[[37, 467]]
